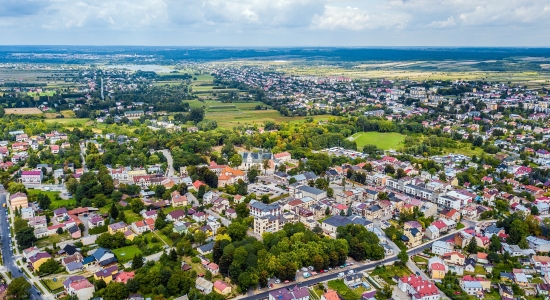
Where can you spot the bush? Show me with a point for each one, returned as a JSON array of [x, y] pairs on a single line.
[[195, 260]]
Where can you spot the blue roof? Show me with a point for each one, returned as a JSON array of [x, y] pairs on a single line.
[[100, 252], [88, 260]]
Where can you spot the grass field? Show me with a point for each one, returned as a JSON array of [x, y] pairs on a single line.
[[127, 253], [381, 140], [52, 195], [344, 291], [46, 93], [68, 121], [23, 111], [231, 118], [53, 285]]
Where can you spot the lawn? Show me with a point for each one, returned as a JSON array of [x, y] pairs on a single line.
[[50, 284], [344, 291], [127, 253], [419, 259], [52, 195], [131, 216], [50, 240], [382, 140], [388, 272]]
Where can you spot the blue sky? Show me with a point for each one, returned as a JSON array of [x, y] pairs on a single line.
[[276, 22]]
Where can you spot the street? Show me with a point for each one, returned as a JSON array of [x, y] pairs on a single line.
[[170, 172], [7, 254]]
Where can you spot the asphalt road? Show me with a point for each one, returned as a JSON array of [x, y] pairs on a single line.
[[7, 254], [171, 171], [315, 280]]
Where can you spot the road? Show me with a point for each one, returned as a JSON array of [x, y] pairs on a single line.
[[224, 221], [7, 254], [318, 279], [170, 172]]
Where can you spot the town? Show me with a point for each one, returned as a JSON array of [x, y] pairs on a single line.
[[193, 185]]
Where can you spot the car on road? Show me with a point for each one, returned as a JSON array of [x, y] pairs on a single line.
[[417, 273], [350, 272], [341, 274]]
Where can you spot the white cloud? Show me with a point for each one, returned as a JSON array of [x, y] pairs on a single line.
[[442, 24], [288, 22], [353, 18]]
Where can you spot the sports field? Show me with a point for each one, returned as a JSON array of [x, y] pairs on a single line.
[[382, 140]]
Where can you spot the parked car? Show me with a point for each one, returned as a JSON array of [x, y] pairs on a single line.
[[277, 281]]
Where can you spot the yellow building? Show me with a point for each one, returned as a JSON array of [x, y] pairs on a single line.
[[38, 259], [222, 287], [106, 274], [118, 227], [437, 270], [412, 237]]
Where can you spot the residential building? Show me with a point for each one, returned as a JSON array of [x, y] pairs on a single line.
[[296, 293], [18, 200], [34, 176], [203, 285], [222, 287], [79, 286]]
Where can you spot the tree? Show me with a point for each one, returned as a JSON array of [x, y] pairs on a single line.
[[196, 114], [472, 246], [403, 256], [388, 169], [534, 210], [160, 221], [113, 212], [327, 211], [242, 210], [19, 289], [200, 237], [400, 173], [115, 291], [201, 192], [318, 262], [59, 230], [14, 188], [137, 261], [265, 199], [495, 244], [252, 175], [25, 237], [235, 160], [159, 190], [43, 201], [237, 231], [385, 293], [265, 165], [518, 230], [49, 267]]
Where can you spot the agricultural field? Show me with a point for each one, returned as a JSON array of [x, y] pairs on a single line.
[[242, 115], [23, 111], [71, 122], [36, 94], [382, 140]]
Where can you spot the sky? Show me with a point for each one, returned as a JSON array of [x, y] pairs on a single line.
[[276, 23]]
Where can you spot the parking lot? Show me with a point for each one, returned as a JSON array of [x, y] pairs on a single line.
[[270, 189]]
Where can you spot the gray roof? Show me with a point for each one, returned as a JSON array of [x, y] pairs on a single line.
[[311, 190], [338, 221]]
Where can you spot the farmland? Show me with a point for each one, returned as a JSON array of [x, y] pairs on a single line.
[[386, 141], [23, 111]]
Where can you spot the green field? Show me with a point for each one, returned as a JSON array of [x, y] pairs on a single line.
[[68, 121], [53, 286], [382, 140], [230, 118], [127, 253], [52, 195], [46, 93]]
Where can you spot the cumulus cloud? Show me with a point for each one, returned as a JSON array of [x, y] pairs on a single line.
[[353, 18], [287, 21]]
